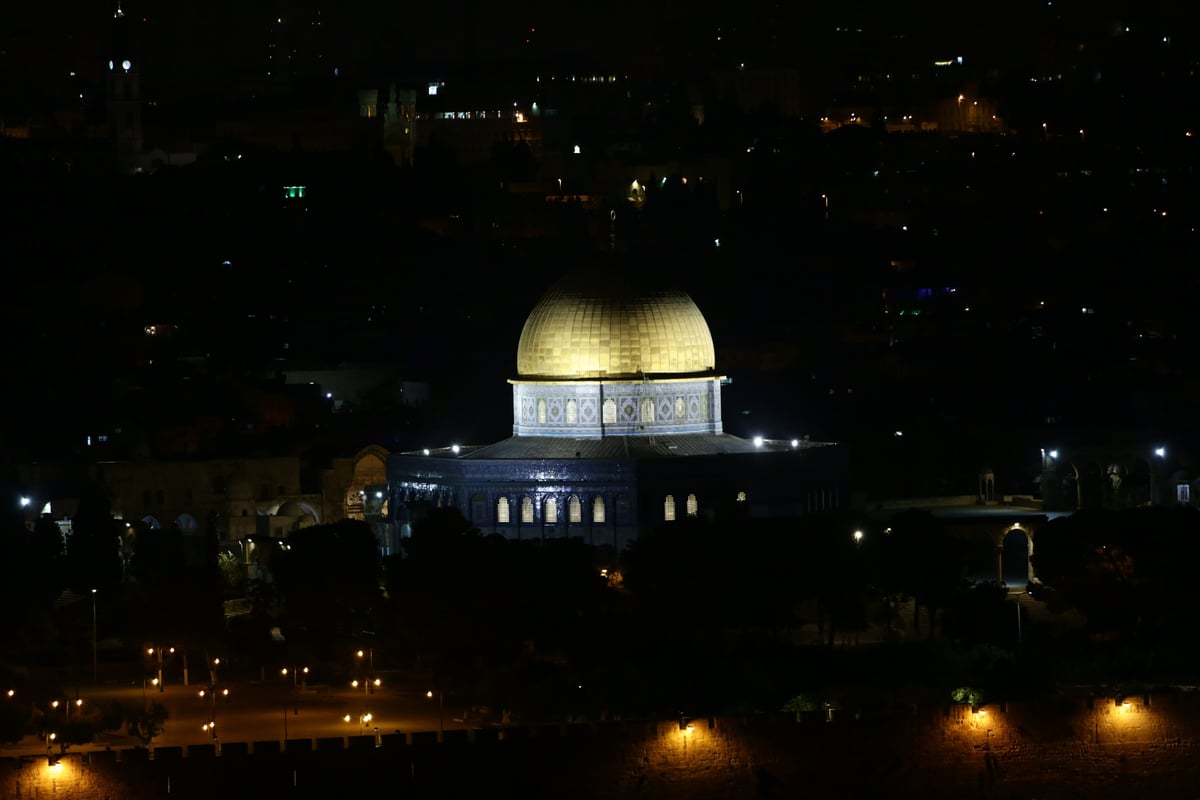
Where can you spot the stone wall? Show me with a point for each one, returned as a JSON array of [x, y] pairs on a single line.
[[1053, 749]]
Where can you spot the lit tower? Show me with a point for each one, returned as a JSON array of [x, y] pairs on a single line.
[[124, 93]]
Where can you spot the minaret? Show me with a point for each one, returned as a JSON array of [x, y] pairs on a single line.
[[124, 94]]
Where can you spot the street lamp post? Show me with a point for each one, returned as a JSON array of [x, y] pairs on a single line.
[[94, 637], [368, 686], [153, 682], [157, 649], [441, 696], [67, 708], [1160, 455], [211, 725], [298, 675], [285, 705]]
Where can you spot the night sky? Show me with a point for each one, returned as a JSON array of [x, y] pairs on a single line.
[[222, 41], [196, 58]]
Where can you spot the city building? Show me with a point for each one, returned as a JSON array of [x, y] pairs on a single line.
[[220, 504]]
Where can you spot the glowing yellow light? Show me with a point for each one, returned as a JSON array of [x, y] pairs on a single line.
[[346, 718], [583, 328]]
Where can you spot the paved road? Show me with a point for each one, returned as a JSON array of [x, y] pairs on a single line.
[[256, 711]]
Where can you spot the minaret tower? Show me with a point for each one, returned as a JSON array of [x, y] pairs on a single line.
[[124, 94]]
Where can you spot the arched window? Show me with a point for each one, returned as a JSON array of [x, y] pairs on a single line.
[[610, 412], [574, 509], [693, 507], [551, 511], [598, 510], [624, 510], [478, 508], [669, 508], [541, 412], [647, 409], [572, 412], [526, 509], [502, 511]]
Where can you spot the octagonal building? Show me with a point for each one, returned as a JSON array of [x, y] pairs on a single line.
[[616, 429]]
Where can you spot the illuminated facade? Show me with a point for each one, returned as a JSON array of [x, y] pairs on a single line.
[[597, 360], [616, 429]]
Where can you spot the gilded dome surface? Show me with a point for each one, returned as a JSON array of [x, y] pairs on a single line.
[[589, 326]]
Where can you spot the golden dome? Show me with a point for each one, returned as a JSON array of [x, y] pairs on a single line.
[[588, 327]]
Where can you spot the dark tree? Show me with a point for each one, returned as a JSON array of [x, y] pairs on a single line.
[[93, 548], [148, 723], [1126, 571], [329, 576], [923, 560], [13, 718]]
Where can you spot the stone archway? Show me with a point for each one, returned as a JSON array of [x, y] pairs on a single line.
[[1015, 550], [363, 497], [298, 515]]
